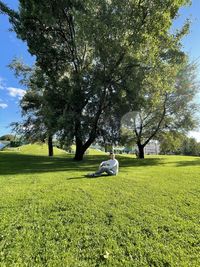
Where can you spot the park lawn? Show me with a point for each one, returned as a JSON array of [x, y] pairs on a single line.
[[51, 215]]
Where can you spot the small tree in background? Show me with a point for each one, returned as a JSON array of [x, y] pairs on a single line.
[[7, 137], [190, 147], [39, 123], [167, 104]]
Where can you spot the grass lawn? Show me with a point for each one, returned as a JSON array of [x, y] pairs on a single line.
[[51, 215]]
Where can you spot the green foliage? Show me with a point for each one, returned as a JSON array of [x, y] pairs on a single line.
[[171, 142], [127, 137], [94, 53], [7, 137], [40, 122], [166, 103], [190, 146], [51, 215], [176, 143], [16, 143]]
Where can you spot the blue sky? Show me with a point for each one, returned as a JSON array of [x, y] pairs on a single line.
[[11, 91]]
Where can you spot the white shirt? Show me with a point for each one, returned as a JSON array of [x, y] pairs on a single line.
[[112, 164]]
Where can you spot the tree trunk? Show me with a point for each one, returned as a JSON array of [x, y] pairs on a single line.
[[50, 146], [106, 148], [79, 153], [80, 146], [140, 151], [79, 150]]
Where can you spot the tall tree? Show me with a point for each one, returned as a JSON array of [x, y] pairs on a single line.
[[94, 48]]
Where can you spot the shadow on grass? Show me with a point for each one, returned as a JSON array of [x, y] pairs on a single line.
[[16, 163], [189, 163], [77, 178], [85, 176]]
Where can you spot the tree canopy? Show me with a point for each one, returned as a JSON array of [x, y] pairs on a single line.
[[95, 54], [167, 104]]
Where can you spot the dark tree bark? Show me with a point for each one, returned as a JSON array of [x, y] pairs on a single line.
[[79, 154], [79, 150], [81, 147], [139, 132], [50, 146], [140, 151], [106, 148]]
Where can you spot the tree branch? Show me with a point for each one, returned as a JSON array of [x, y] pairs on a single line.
[[159, 123]]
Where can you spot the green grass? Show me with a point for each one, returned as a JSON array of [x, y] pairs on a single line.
[[51, 215]]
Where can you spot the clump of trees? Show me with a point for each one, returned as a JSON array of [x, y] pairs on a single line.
[[179, 144], [7, 137], [96, 61], [12, 140]]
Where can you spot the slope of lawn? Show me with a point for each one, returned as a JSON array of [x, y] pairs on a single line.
[[51, 215], [90, 151]]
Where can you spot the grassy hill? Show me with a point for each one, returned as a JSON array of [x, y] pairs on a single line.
[[34, 149], [51, 215], [42, 149]]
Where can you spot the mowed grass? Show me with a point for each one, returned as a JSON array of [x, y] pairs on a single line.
[[51, 215]]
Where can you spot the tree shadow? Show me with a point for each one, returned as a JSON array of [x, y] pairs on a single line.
[[126, 161], [85, 176], [17, 163], [77, 178], [189, 163]]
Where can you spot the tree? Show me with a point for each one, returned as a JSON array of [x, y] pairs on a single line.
[[166, 105], [95, 48], [170, 142], [109, 134], [7, 137], [127, 138], [190, 147], [39, 123]]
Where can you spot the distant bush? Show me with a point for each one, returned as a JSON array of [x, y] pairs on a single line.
[[7, 137], [15, 143]]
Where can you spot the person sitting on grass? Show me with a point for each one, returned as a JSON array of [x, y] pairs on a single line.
[[110, 167]]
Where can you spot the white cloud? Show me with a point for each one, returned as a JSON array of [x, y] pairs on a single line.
[[3, 105], [16, 92]]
